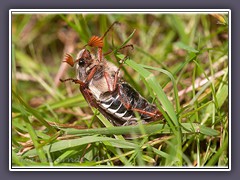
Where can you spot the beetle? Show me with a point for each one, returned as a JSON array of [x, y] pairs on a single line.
[[103, 87]]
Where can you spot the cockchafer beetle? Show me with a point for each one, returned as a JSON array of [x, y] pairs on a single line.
[[103, 87]]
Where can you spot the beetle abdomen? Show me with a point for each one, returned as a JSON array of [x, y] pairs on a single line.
[[124, 103], [115, 107]]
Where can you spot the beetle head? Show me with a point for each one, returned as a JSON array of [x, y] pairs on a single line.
[[84, 58]]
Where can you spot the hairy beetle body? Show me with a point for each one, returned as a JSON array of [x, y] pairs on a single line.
[[102, 85]]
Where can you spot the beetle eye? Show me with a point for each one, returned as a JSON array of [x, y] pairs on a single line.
[[81, 62]]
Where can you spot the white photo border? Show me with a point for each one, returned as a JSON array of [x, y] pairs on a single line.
[[116, 11]]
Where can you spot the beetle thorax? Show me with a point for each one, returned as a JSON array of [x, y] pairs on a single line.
[[103, 79]]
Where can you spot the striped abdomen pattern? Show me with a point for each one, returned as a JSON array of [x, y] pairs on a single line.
[[125, 96]]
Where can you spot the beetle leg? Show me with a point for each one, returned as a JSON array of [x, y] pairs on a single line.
[[100, 55], [115, 80], [128, 106], [91, 74], [115, 22], [155, 114], [108, 79], [113, 87], [126, 46], [117, 72], [76, 81], [152, 114], [87, 95]]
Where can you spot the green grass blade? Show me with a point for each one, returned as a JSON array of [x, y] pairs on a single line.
[[148, 129], [65, 144], [186, 47]]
